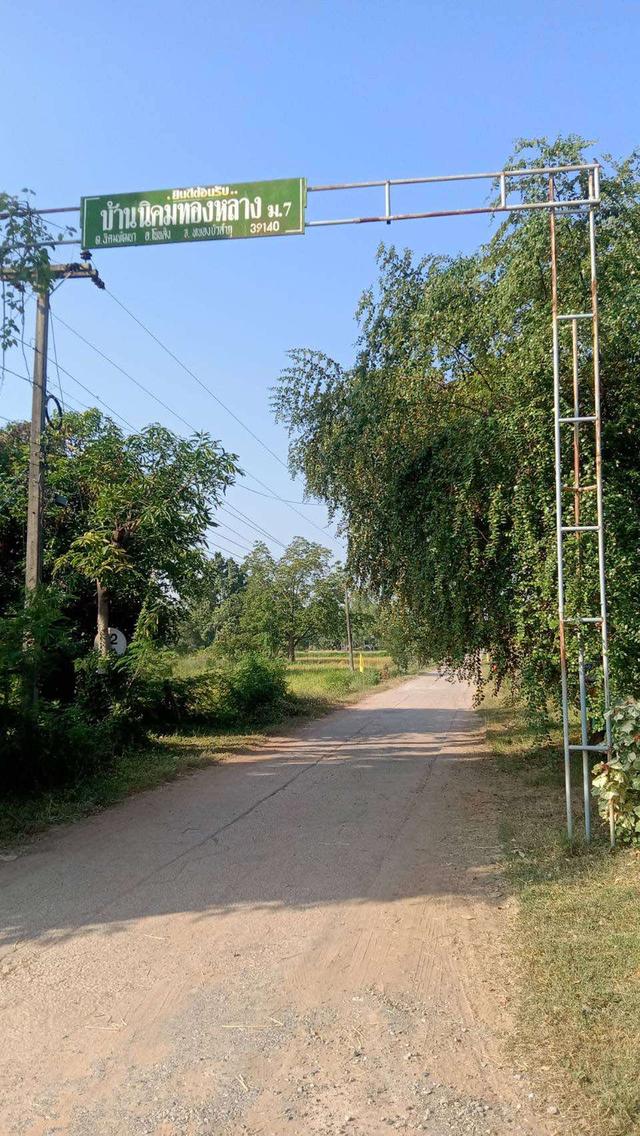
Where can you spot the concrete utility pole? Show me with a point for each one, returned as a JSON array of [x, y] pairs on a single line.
[[33, 574], [86, 271], [347, 614]]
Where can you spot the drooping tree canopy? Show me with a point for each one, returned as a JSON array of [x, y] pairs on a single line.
[[436, 445]]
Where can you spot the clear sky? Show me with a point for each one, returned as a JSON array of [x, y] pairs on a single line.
[[131, 96]]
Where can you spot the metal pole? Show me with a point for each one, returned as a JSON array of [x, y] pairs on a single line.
[[593, 185], [582, 686], [33, 572], [347, 615], [559, 534]]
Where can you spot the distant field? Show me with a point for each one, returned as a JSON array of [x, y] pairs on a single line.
[[316, 676], [326, 674]]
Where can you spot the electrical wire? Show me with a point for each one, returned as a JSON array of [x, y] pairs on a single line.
[[55, 356], [89, 391], [272, 494], [224, 406], [270, 497], [221, 548], [238, 515], [198, 380], [127, 375], [244, 546], [243, 536]]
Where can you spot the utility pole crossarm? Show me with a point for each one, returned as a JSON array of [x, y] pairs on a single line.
[[73, 271]]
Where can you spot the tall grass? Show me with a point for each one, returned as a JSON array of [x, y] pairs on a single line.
[[576, 936]]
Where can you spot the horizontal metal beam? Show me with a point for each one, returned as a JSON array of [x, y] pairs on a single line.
[[493, 175], [575, 419], [567, 206]]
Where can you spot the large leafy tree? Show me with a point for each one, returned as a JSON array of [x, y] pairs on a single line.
[[126, 515], [287, 602], [436, 445], [218, 579]]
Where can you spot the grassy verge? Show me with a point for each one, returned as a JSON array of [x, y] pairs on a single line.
[[317, 682], [576, 938]]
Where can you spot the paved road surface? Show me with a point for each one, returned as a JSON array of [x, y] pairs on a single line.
[[304, 940]]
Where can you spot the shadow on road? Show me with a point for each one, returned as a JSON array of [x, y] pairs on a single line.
[[368, 804]]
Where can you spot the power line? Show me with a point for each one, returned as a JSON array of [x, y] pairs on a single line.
[[127, 375], [243, 536], [237, 514], [87, 389], [204, 386], [270, 497], [221, 548], [244, 546], [224, 407], [55, 356], [272, 493], [17, 375]]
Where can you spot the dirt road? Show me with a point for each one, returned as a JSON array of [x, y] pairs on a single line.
[[305, 940]]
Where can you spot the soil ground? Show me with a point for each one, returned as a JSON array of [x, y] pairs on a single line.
[[308, 939]]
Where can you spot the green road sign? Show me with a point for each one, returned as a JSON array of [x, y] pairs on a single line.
[[196, 213]]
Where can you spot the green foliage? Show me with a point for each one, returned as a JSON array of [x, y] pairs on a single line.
[[44, 738], [25, 241], [617, 783], [396, 635], [248, 689], [138, 509], [285, 603], [148, 500], [216, 581], [436, 444], [340, 681]]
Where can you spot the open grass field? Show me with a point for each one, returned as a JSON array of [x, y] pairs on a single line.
[[318, 681], [576, 937]]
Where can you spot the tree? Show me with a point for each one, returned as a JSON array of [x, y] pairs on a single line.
[[25, 242], [126, 515], [305, 596], [216, 582], [150, 499], [436, 445], [286, 603]]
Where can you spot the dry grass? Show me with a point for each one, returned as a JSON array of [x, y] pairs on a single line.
[[576, 938]]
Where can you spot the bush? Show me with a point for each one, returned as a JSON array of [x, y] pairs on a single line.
[[116, 701], [256, 686], [136, 691], [48, 744], [250, 689], [139, 691], [339, 680], [617, 782], [44, 740]]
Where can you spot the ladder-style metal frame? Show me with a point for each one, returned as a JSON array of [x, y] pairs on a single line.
[[505, 181], [575, 530]]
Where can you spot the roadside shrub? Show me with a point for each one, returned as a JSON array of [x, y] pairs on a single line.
[[617, 782], [249, 689], [138, 691], [135, 692], [257, 685], [339, 680], [45, 739]]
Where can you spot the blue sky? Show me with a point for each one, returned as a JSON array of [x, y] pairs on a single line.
[[123, 96]]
